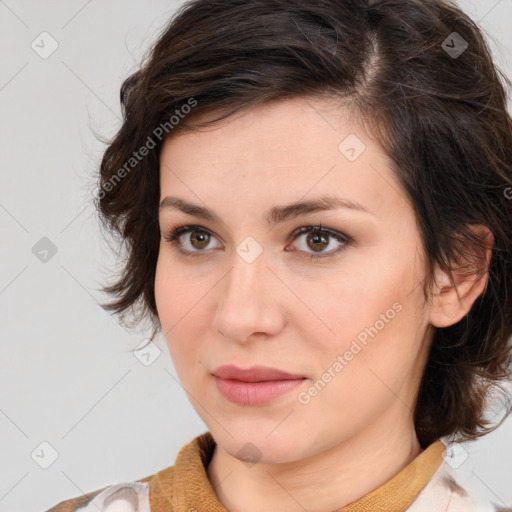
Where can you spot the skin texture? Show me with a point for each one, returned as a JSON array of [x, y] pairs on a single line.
[[296, 314]]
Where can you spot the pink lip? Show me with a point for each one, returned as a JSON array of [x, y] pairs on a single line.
[[253, 374], [255, 386]]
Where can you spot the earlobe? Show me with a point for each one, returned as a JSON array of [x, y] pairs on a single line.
[[454, 292]]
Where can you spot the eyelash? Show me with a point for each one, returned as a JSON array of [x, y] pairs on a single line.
[[177, 231]]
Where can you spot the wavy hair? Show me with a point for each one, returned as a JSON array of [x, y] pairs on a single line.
[[420, 77]]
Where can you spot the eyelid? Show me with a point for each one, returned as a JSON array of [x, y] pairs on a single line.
[[319, 229], [177, 231]]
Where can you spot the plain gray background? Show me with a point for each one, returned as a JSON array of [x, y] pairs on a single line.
[[68, 378]]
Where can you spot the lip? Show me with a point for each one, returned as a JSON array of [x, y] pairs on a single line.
[[257, 385], [253, 374]]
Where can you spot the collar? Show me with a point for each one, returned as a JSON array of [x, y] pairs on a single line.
[[185, 486]]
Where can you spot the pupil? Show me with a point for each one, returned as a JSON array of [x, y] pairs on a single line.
[[201, 239], [317, 239]]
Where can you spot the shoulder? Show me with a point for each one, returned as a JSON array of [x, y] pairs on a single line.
[[452, 490], [154, 490], [123, 497]]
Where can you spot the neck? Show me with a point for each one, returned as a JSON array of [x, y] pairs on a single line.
[[326, 481]]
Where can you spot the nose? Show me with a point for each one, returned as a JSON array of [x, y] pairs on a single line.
[[248, 305]]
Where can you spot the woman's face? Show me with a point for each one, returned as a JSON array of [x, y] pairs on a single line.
[[350, 326]]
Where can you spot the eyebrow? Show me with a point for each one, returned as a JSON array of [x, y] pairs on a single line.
[[275, 215]]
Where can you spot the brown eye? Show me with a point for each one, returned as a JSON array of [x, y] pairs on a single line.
[[199, 239], [316, 241], [196, 241], [312, 242], [191, 240]]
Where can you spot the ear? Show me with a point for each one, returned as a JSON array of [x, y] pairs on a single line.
[[454, 292]]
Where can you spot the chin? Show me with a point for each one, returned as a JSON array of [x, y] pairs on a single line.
[[251, 442]]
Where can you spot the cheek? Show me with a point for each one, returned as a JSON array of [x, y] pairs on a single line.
[[378, 295], [166, 288], [371, 367], [175, 305], [177, 291], [378, 318]]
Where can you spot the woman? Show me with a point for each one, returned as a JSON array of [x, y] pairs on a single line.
[[315, 197]]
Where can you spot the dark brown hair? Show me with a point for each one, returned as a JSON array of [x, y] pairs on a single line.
[[421, 79]]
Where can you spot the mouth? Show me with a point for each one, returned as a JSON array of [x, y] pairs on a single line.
[[253, 374], [257, 385]]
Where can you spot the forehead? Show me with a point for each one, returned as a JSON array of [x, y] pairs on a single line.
[[283, 150]]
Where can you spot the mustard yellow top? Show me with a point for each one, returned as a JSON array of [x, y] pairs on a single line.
[[185, 486]]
